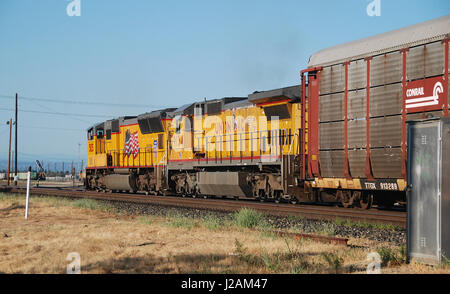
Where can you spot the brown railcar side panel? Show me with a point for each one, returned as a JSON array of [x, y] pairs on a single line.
[[386, 100], [357, 134], [357, 162], [387, 163], [386, 69], [424, 115], [356, 104], [346, 166], [386, 131], [332, 79], [332, 164], [368, 165], [331, 135], [331, 107], [356, 75], [425, 61]]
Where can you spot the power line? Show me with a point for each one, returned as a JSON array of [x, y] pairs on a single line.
[[50, 128], [49, 109], [84, 102], [60, 113]]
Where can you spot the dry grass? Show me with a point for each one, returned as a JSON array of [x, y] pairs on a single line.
[[112, 243]]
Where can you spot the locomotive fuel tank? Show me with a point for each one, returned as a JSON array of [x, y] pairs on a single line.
[[120, 182]]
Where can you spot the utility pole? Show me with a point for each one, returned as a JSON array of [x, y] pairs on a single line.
[[78, 164], [12, 157], [15, 163], [9, 152], [73, 175]]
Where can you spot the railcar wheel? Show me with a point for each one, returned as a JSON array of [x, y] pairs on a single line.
[[366, 201], [345, 197], [387, 203], [277, 196]]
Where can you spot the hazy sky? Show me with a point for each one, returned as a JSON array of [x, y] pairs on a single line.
[[161, 54]]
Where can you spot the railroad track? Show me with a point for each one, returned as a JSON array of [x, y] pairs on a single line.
[[397, 218]]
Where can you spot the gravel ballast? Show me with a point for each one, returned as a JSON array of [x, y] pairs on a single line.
[[396, 236]]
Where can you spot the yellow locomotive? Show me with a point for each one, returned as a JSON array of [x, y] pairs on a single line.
[[235, 146]]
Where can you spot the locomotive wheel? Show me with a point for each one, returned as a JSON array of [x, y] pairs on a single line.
[[262, 196], [366, 201], [277, 196], [184, 192]]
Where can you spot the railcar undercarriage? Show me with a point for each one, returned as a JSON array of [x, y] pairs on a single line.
[[251, 183]]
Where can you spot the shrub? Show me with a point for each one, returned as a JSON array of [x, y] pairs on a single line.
[[390, 256], [334, 261], [248, 218]]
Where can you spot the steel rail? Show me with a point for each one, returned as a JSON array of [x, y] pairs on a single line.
[[228, 205]]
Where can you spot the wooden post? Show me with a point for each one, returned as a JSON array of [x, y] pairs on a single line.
[[9, 152], [15, 138], [28, 192]]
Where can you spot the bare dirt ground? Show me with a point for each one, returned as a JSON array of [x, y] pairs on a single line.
[[109, 242]]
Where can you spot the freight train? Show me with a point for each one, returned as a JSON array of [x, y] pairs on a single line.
[[339, 136]]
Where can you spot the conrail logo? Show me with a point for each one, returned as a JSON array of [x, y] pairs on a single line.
[[414, 92], [424, 101], [424, 95]]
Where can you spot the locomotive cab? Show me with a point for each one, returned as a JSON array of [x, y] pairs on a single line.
[[112, 141], [96, 146]]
